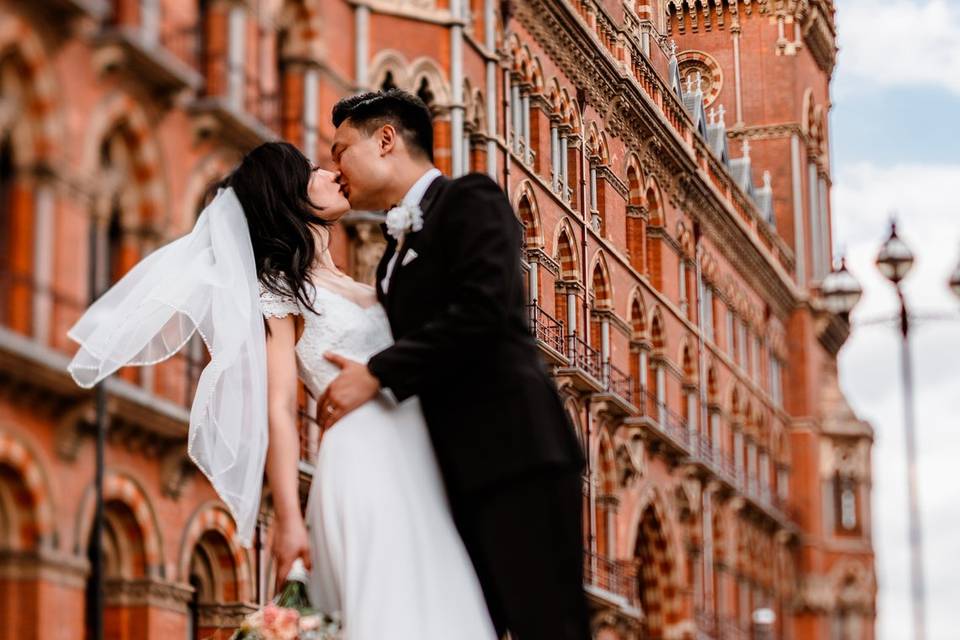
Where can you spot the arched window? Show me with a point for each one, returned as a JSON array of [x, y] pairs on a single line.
[[636, 221], [566, 298], [215, 578]]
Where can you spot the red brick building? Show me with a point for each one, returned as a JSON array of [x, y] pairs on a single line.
[[670, 163]]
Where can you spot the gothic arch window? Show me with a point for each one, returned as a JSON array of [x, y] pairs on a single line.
[[124, 560], [566, 295], [655, 589], [597, 158], [388, 82], [636, 224], [425, 93], [215, 577], [605, 511]]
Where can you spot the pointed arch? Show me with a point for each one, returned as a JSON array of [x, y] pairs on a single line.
[[123, 489], [606, 502], [600, 284], [713, 383], [121, 150], [635, 181], [26, 507], [33, 127], [389, 67], [566, 253], [529, 214], [658, 336], [425, 69], [655, 554], [638, 316], [654, 202], [555, 97], [688, 361], [536, 75], [212, 530]]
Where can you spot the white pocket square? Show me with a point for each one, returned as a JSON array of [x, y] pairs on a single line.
[[409, 257]]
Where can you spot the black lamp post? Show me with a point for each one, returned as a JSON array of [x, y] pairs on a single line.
[[841, 292]]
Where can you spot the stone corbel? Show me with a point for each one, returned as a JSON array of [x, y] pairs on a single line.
[[69, 431], [176, 469]]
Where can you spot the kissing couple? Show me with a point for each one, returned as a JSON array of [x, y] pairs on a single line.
[[446, 501]]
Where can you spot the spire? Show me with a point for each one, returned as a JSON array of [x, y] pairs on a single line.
[[673, 48], [699, 86], [712, 116], [689, 83], [767, 184], [746, 149], [720, 112]]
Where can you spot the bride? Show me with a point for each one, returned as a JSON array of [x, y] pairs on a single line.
[[256, 281]]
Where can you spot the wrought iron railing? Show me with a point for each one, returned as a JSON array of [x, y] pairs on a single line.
[[610, 576], [670, 422], [546, 328], [618, 382], [584, 357]]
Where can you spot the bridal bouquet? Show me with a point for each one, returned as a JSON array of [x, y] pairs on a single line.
[[290, 616]]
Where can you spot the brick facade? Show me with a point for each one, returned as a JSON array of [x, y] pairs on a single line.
[[672, 271]]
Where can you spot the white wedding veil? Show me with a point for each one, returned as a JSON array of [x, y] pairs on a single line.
[[204, 282]]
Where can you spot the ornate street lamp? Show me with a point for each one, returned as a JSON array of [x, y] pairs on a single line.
[[955, 280], [894, 261], [840, 293], [895, 258], [840, 290]]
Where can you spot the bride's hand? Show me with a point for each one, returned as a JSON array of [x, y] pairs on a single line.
[[290, 541]]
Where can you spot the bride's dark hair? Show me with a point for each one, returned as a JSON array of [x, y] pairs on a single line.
[[271, 183]]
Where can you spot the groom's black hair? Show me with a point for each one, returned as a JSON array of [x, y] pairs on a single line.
[[408, 114]]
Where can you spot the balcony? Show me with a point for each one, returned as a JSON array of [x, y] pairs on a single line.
[[665, 429], [610, 583], [549, 334], [95, 9], [583, 369], [245, 114], [618, 392], [167, 62]]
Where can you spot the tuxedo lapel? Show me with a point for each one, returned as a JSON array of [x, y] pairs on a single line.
[[384, 260], [426, 206]]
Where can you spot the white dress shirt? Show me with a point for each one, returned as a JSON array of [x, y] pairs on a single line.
[[413, 197]]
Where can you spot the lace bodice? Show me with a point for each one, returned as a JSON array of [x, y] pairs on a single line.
[[339, 325]]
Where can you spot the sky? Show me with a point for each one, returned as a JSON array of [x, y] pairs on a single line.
[[896, 148]]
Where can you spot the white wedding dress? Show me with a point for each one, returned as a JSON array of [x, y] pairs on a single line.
[[385, 551]]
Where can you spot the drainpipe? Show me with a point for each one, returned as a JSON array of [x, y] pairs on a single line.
[[506, 9], [490, 42], [456, 81], [361, 18]]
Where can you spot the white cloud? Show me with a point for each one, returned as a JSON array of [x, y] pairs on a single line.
[[869, 366], [899, 43]]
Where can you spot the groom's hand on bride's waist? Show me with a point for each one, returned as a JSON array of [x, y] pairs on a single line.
[[354, 386]]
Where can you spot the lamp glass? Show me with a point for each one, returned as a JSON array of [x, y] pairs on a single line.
[[895, 258], [840, 290], [955, 281]]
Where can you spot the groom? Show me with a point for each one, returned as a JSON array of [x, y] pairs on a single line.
[[451, 283]]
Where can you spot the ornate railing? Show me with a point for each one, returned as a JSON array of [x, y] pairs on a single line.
[[670, 422], [584, 357], [610, 576], [546, 328], [619, 383]]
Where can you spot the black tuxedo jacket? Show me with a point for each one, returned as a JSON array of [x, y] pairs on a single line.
[[462, 342]]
